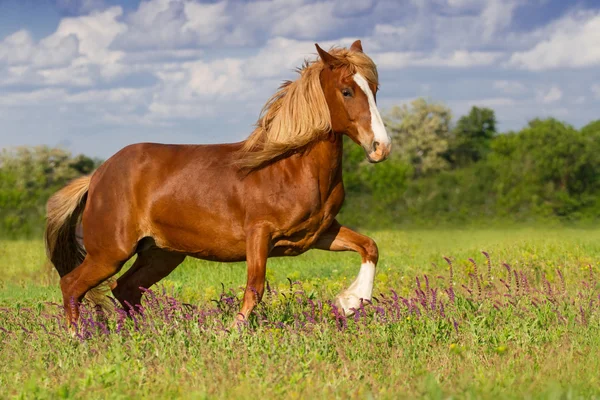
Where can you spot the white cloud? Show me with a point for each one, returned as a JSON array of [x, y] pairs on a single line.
[[456, 59], [277, 55], [349, 8], [280, 56], [388, 29], [462, 106], [57, 51], [551, 95], [17, 48], [195, 89], [448, 25], [76, 54], [495, 102], [34, 97], [74, 75], [218, 78], [496, 17], [308, 21], [189, 65], [80, 6], [20, 49], [571, 42], [95, 33], [463, 3], [509, 87], [596, 90], [206, 20], [118, 95], [168, 24]]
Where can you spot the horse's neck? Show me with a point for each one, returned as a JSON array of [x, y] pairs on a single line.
[[325, 158]]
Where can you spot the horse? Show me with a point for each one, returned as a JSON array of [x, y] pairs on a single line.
[[275, 194]]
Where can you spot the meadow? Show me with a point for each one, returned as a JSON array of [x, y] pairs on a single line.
[[523, 323]]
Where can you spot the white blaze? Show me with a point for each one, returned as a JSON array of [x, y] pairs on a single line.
[[377, 125]]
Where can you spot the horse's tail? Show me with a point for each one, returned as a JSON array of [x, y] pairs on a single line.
[[63, 248]]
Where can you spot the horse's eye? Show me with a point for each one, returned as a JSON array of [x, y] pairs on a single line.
[[347, 92]]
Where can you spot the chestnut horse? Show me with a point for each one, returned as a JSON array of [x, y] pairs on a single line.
[[275, 194]]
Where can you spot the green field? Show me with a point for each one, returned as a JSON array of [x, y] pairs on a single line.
[[475, 334]]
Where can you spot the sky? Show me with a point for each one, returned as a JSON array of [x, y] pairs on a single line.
[[95, 75]]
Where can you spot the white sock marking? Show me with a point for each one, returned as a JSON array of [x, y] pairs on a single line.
[[362, 287], [377, 125]]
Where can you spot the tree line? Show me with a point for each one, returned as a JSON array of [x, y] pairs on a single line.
[[467, 172], [28, 177], [440, 172]]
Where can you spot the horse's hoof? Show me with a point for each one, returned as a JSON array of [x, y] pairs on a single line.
[[73, 331], [239, 323], [348, 302]]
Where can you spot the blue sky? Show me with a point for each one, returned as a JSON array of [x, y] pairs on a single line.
[[96, 75]]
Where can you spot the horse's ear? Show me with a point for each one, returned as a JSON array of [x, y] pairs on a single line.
[[356, 46], [327, 58]]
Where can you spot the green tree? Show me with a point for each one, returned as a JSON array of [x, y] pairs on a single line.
[[28, 177], [420, 135], [371, 189], [472, 137], [548, 168], [353, 160], [592, 129]]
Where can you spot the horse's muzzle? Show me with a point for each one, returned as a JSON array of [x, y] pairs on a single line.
[[379, 152]]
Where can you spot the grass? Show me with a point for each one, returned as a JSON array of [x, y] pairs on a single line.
[[510, 331]]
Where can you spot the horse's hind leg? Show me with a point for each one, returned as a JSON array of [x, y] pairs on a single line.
[[151, 266], [91, 272]]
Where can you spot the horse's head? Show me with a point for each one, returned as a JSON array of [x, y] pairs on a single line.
[[351, 98]]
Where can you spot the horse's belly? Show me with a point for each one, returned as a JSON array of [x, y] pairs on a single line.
[[215, 243], [219, 256], [302, 239]]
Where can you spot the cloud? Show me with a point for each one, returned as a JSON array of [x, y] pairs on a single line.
[[456, 59], [389, 29], [552, 95], [20, 49], [446, 25], [490, 102], [179, 69], [353, 8], [310, 20], [76, 7], [168, 24], [76, 54], [509, 87], [277, 55], [281, 56], [463, 3], [32, 98], [570, 42], [17, 48], [171, 24], [206, 19], [496, 17], [95, 33]]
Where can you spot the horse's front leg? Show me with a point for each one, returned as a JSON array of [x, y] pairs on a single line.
[[258, 245], [340, 238]]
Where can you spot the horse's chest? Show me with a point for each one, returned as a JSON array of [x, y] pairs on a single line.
[[301, 235]]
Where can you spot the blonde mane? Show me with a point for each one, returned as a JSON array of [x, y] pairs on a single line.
[[297, 114]]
